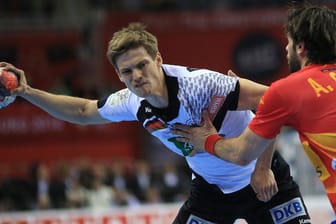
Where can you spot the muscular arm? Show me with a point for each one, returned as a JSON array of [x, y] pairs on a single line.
[[243, 149], [262, 179], [265, 159], [249, 94], [72, 109]]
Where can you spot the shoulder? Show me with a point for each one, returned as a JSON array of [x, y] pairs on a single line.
[[284, 86], [118, 106], [184, 71], [116, 98], [197, 76]]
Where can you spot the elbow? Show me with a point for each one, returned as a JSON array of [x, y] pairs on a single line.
[[81, 118]]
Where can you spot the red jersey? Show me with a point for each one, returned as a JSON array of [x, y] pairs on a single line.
[[305, 100]]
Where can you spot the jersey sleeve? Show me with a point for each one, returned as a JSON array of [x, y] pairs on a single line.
[[117, 106], [272, 113], [207, 89]]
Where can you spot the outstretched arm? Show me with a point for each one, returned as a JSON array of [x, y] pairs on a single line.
[[72, 109]]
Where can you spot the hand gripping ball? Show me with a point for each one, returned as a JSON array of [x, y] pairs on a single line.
[[8, 82]]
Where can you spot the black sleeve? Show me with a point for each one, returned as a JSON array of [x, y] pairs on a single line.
[[230, 103], [101, 102]]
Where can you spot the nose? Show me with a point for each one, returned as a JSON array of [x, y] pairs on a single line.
[[137, 74]]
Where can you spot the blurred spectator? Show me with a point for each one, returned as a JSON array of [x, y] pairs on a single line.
[[100, 195], [57, 187], [117, 175], [153, 195], [123, 197], [75, 193], [142, 179], [40, 185], [174, 183], [84, 173], [15, 195]]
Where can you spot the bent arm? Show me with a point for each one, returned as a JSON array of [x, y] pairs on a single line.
[[243, 149], [265, 159], [71, 109], [249, 94], [262, 180]]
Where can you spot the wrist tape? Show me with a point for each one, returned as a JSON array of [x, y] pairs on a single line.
[[210, 143]]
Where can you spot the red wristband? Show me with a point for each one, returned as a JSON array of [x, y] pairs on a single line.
[[210, 143]]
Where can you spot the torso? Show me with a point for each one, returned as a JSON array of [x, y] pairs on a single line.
[[190, 91]]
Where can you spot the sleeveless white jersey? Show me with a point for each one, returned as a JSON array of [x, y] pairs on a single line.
[[190, 91]]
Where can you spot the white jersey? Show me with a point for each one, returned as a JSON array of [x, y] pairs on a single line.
[[190, 91]]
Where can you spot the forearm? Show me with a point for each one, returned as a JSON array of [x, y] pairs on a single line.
[[265, 159], [67, 108], [243, 149], [233, 151]]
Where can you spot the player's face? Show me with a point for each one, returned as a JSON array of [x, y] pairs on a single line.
[[292, 56], [140, 72]]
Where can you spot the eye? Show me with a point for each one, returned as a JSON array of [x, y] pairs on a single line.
[[141, 65], [126, 71]]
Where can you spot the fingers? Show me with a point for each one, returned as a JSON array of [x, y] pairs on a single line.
[[21, 89], [263, 197], [182, 139], [193, 152], [20, 73], [181, 130], [8, 66], [231, 73], [267, 193], [4, 64]]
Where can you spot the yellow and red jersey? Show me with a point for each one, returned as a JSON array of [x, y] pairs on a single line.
[[305, 100]]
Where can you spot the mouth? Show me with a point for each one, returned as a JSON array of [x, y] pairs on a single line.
[[139, 85]]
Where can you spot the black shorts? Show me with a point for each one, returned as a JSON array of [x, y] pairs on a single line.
[[207, 203]]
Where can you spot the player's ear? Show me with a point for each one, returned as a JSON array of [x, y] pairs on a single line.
[[159, 59], [301, 50], [300, 47]]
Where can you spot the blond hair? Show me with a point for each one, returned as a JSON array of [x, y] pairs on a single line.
[[131, 37]]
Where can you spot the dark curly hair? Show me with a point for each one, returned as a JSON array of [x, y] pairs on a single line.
[[316, 27]]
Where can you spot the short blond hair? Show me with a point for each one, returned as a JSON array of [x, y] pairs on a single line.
[[131, 37]]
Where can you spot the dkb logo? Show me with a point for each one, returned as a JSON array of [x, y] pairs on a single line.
[[197, 220], [288, 211]]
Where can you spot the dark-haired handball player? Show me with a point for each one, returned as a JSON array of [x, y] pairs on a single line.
[[305, 100], [159, 95]]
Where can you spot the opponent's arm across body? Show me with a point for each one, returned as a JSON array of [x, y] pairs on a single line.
[[262, 180], [240, 150]]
